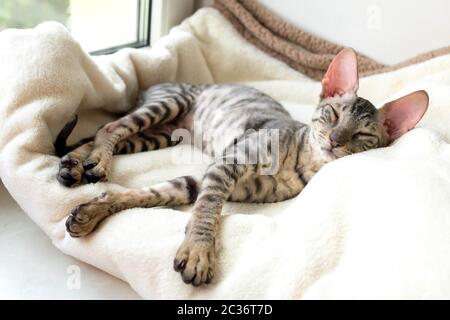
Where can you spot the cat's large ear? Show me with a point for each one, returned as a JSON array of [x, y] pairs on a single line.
[[342, 75], [403, 114]]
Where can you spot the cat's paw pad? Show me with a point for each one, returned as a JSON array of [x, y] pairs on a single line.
[[70, 171], [84, 218], [195, 260]]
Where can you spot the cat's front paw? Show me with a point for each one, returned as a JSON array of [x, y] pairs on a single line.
[[84, 218], [195, 260], [70, 171]]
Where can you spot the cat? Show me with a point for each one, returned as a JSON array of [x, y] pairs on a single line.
[[342, 124]]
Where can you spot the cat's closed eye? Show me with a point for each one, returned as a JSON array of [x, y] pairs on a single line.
[[332, 115]]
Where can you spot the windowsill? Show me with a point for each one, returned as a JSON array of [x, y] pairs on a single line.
[[32, 268]]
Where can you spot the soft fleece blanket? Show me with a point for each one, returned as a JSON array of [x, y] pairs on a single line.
[[371, 225]]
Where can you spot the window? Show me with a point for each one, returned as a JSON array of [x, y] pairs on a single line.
[[101, 26]]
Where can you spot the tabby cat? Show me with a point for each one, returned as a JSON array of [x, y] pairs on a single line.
[[233, 115]]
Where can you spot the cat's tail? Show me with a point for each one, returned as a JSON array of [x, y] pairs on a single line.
[[61, 147]]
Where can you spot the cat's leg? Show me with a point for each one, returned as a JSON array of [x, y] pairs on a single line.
[[196, 257], [85, 217], [151, 139], [71, 168], [98, 163]]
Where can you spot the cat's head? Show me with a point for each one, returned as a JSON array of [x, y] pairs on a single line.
[[344, 123]]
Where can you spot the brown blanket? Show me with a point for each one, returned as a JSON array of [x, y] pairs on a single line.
[[299, 49]]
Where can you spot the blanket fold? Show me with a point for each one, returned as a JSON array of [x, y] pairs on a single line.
[[371, 225]]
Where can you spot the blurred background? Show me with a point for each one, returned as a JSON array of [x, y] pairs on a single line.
[[28, 13], [97, 25]]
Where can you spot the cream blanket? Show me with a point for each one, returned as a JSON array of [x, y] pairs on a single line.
[[372, 225]]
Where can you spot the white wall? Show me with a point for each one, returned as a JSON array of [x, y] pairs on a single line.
[[386, 30], [167, 14]]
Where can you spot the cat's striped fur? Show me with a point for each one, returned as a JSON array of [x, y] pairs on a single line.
[[230, 118]]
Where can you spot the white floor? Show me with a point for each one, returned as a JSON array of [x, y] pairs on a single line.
[[32, 268]]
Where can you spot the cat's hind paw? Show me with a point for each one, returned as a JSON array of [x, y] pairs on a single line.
[[97, 168]]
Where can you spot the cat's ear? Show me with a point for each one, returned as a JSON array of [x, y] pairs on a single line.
[[403, 114], [342, 75]]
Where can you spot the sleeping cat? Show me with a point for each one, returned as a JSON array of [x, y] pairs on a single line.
[[233, 115]]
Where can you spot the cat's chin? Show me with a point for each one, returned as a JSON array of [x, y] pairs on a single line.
[[328, 154]]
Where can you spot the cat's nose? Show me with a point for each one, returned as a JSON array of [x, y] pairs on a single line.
[[335, 140]]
